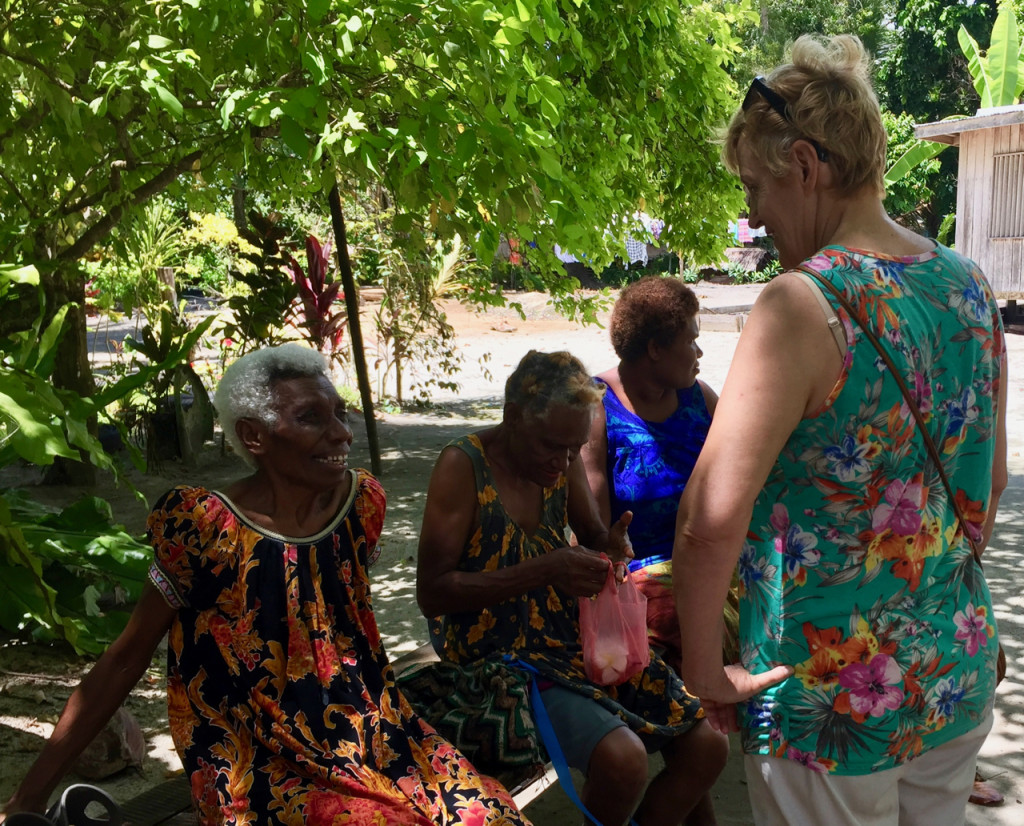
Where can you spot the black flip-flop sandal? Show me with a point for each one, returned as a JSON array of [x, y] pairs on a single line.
[[70, 809]]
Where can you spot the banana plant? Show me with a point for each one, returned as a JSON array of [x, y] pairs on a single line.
[[998, 77]]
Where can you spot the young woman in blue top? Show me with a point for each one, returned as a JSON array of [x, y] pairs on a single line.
[[647, 435]]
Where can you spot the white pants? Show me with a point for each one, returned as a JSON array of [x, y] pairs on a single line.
[[931, 790]]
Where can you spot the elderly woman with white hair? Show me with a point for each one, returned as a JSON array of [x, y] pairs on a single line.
[[282, 703]]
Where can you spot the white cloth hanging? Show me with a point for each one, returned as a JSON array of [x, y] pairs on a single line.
[[565, 257], [636, 251]]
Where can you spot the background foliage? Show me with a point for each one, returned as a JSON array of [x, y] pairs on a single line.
[[127, 129]]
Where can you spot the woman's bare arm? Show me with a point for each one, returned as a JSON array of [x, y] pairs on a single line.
[[595, 462], [449, 520], [95, 700]]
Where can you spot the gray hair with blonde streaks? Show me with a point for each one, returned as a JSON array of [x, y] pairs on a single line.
[[541, 380]]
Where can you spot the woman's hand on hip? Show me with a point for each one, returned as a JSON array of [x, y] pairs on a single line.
[[734, 685]]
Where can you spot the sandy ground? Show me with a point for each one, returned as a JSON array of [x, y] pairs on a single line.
[[492, 343]]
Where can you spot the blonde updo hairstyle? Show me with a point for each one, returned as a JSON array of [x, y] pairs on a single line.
[[544, 379], [830, 100]]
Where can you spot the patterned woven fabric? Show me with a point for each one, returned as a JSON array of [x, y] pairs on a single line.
[[485, 708]]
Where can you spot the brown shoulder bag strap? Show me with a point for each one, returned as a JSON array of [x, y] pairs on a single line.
[[933, 451]]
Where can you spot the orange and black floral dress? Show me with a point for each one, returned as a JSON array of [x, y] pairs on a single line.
[[282, 703]]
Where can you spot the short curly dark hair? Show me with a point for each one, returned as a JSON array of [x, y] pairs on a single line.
[[654, 308]]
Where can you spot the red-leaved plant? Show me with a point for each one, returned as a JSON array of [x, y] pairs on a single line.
[[323, 322]]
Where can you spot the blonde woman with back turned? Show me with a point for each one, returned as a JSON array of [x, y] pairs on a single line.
[[867, 637]]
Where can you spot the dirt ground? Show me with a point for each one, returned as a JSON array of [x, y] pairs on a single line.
[[36, 680]]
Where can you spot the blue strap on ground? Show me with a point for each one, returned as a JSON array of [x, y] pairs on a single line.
[[547, 735]]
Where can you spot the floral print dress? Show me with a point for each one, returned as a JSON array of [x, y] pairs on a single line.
[[282, 703], [541, 627], [855, 570]]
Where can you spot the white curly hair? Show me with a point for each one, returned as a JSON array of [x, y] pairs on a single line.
[[244, 391]]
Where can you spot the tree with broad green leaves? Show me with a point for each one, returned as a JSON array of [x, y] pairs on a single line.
[[997, 75], [550, 120], [767, 38], [923, 71]]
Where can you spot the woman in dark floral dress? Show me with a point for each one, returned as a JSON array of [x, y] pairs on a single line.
[[282, 703], [496, 564]]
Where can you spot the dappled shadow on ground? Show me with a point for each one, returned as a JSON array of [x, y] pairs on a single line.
[[35, 683], [1001, 758], [410, 444]]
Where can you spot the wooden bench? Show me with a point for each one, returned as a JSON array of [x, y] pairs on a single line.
[[170, 803]]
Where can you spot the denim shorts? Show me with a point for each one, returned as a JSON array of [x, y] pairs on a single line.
[[580, 723]]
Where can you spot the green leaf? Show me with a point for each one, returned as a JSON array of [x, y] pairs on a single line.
[[157, 42], [313, 62], [465, 146], [23, 598], [294, 136], [18, 274], [167, 100], [317, 9], [370, 159], [37, 438], [51, 335], [920, 152], [508, 36], [549, 163], [976, 66], [227, 109], [1002, 60]]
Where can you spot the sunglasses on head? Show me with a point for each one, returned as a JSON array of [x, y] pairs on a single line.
[[759, 89]]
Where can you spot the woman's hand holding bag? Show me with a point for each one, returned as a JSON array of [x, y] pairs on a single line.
[[613, 629]]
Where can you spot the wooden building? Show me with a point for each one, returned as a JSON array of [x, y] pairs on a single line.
[[990, 192]]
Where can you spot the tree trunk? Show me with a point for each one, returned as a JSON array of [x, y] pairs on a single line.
[[168, 288], [398, 372], [238, 193], [348, 283], [62, 286]]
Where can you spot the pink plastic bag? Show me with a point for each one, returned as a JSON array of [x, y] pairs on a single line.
[[613, 627]]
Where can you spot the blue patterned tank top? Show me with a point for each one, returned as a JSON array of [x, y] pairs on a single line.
[[649, 464]]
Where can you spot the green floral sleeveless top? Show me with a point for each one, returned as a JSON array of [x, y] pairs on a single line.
[[855, 570]]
